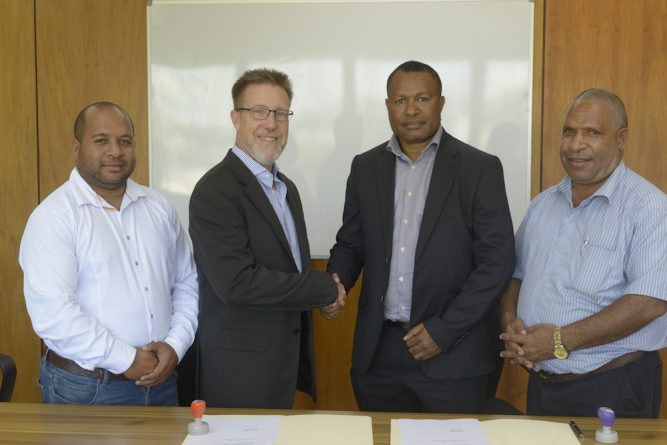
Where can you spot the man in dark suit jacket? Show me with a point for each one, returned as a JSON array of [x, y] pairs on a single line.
[[426, 217], [251, 248]]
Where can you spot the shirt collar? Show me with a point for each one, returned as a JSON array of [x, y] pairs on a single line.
[[257, 169], [85, 195], [395, 147], [606, 190]]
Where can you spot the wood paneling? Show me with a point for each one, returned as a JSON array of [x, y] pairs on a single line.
[[616, 45], [332, 341], [18, 182], [88, 51]]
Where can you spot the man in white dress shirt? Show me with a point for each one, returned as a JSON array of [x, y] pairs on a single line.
[[109, 279]]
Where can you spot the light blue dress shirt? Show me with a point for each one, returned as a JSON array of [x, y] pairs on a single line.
[[576, 261], [276, 191], [412, 183]]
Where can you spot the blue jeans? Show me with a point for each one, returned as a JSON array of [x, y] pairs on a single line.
[[63, 387]]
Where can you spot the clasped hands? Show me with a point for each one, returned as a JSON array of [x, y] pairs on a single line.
[[528, 346], [333, 310], [152, 364]]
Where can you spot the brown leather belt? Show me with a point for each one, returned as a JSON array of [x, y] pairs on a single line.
[[559, 379], [71, 366]]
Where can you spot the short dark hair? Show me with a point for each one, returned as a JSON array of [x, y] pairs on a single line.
[[261, 76], [615, 103], [80, 122], [412, 66]]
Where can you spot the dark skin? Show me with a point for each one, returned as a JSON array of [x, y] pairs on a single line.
[[105, 154], [414, 104], [530, 346], [592, 145]]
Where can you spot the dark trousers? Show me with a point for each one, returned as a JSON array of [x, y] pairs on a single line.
[[632, 390], [395, 382]]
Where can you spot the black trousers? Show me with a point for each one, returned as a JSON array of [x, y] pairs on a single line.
[[395, 382], [632, 390]]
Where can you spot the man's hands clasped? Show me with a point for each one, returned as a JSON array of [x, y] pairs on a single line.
[[153, 364]]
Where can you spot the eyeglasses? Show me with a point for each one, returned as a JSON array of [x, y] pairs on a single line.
[[262, 113]]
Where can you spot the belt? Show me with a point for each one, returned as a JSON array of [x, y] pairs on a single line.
[[622, 360], [71, 366], [403, 325]]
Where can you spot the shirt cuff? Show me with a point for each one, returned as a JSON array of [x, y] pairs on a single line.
[[120, 357]]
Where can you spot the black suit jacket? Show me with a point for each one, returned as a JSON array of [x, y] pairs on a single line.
[[254, 321], [463, 260]]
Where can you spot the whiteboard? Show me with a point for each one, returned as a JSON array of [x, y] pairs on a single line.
[[338, 56]]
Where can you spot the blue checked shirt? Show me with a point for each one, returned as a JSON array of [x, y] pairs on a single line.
[[574, 262]]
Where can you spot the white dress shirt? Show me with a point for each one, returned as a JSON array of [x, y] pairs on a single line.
[[100, 282]]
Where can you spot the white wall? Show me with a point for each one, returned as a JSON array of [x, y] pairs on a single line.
[[338, 56]]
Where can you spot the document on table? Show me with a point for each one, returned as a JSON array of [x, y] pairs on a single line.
[[233, 430], [307, 429], [440, 432], [496, 432]]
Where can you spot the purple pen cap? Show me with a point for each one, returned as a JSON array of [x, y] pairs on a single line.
[[607, 416]]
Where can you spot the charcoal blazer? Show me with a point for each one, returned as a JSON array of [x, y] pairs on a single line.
[[463, 260], [255, 343]]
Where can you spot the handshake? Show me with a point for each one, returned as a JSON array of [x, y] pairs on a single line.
[[332, 311]]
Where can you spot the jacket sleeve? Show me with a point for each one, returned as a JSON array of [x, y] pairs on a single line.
[[347, 255], [223, 252]]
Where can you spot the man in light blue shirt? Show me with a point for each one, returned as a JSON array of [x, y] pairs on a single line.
[[586, 307]]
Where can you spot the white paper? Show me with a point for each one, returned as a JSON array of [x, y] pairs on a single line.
[[441, 432], [237, 430]]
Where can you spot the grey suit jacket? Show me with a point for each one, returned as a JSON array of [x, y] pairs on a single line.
[[254, 321]]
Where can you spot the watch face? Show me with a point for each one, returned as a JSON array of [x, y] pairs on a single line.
[[560, 352]]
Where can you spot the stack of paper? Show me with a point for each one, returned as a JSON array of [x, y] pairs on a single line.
[[474, 432], [307, 429]]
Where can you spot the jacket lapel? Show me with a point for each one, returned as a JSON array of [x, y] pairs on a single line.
[[257, 197], [444, 169], [386, 181]]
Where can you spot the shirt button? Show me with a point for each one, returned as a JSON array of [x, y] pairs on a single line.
[[400, 279], [409, 193], [146, 288], [152, 316], [402, 249], [405, 221], [127, 236], [412, 167], [136, 263]]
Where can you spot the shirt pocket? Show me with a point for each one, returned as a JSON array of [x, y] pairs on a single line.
[[598, 268]]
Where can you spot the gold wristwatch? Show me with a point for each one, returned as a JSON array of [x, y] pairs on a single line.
[[559, 350]]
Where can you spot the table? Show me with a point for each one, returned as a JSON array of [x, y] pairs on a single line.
[[33, 423]]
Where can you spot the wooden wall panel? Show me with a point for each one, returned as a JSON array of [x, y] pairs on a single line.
[[332, 342], [617, 45], [18, 183], [88, 51]]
